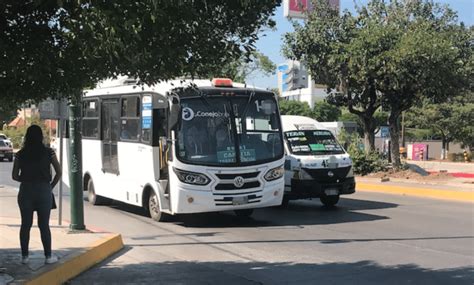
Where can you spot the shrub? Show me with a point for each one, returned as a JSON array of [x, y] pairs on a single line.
[[362, 163]]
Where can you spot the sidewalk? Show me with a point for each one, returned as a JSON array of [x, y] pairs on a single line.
[[461, 190], [76, 251]]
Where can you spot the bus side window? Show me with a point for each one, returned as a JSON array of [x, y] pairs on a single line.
[[90, 120], [130, 118]]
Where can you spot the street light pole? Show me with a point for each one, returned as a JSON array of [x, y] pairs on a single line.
[[75, 163]]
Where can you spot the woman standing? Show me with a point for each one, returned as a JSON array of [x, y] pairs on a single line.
[[32, 167]]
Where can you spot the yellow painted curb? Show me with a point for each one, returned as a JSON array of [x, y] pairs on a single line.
[[73, 266], [419, 192]]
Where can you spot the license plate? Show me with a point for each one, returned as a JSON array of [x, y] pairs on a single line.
[[240, 200], [331, 192]]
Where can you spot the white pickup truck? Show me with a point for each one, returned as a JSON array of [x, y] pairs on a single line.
[[316, 165]]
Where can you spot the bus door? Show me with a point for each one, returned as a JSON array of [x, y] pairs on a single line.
[[110, 126]]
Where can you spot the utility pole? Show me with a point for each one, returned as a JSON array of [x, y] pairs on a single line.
[[403, 128], [75, 163]]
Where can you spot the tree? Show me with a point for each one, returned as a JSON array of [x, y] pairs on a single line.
[[6, 115], [243, 67], [325, 112], [339, 52], [453, 120], [295, 108], [430, 56], [394, 53], [58, 48]]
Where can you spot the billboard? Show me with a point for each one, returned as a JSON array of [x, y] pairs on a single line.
[[297, 8]]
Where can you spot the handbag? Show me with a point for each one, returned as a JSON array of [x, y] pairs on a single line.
[[53, 201]]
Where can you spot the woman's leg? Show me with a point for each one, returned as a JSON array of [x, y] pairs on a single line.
[[43, 224], [26, 223], [25, 202]]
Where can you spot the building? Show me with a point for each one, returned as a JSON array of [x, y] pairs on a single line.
[[295, 84]]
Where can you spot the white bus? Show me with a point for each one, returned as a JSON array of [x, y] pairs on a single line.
[[182, 146]]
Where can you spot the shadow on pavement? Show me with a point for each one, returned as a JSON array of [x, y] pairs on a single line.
[[199, 272], [297, 213]]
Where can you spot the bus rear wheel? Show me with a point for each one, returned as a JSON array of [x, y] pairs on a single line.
[[245, 213], [93, 198], [154, 208], [329, 201]]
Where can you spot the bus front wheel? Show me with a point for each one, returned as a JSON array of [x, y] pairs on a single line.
[[93, 198], [154, 208]]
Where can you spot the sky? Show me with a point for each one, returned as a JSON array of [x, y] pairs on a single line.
[[270, 42]]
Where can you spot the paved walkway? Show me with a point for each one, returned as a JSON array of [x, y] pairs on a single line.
[[76, 251]]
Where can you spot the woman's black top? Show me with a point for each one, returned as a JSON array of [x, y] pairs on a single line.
[[35, 166]]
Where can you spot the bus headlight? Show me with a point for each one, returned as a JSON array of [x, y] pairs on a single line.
[[274, 173], [189, 177]]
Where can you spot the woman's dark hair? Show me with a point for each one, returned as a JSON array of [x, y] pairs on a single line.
[[33, 146]]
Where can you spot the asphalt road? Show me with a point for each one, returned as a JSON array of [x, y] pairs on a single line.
[[370, 238]]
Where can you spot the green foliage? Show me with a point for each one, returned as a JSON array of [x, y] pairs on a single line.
[[340, 55], [295, 108], [362, 163], [54, 48], [17, 135], [7, 114], [459, 157], [453, 119], [392, 52], [325, 112], [241, 69]]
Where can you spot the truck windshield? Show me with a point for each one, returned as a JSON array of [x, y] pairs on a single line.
[[311, 142], [212, 127]]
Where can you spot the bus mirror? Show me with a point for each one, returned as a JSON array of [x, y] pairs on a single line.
[[274, 123], [175, 110], [268, 107]]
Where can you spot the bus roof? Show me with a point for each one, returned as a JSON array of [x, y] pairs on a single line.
[[126, 85], [295, 123]]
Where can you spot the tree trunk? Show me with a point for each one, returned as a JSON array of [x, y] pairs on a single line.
[[369, 133], [394, 139], [443, 147]]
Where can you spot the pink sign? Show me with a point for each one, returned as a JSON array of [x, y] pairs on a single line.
[[298, 8], [420, 151], [298, 5]]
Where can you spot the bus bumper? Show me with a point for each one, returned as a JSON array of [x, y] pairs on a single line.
[[302, 189], [199, 201]]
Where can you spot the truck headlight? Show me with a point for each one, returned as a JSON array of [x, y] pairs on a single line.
[[189, 177], [274, 173]]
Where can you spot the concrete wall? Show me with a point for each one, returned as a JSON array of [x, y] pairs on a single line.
[[434, 147]]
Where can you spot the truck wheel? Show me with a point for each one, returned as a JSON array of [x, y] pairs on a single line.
[[154, 208], [329, 200], [92, 197], [245, 213]]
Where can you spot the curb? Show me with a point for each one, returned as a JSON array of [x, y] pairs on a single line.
[[79, 262], [418, 192]]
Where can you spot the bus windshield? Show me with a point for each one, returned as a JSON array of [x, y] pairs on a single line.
[[213, 127], [312, 142]]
